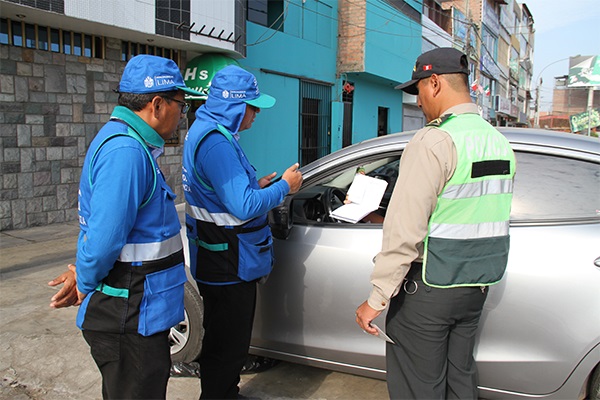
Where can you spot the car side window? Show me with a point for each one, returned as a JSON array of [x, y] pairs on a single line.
[[553, 188], [315, 202]]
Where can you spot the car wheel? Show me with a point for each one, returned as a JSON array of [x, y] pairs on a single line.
[[594, 386], [185, 338]]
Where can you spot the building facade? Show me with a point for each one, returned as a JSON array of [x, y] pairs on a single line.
[[498, 36], [60, 61], [332, 65]]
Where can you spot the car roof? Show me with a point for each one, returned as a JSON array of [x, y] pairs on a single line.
[[516, 136]]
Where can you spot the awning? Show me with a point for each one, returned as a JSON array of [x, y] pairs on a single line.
[[200, 70]]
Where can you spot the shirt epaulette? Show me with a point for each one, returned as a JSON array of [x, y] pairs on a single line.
[[439, 121]]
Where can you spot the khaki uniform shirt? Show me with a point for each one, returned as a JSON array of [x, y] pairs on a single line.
[[426, 165]]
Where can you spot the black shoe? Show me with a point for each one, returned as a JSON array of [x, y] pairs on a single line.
[[182, 369], [255, 364]]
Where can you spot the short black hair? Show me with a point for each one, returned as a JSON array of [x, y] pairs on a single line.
[[458, 82], [137, 101]]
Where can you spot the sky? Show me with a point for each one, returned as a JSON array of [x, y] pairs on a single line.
[[562, 29]]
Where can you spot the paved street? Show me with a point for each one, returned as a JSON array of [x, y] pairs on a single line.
[[43, 355]]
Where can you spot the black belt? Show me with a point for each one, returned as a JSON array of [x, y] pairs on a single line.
[[415, 271]]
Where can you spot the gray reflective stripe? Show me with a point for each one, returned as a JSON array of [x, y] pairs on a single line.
[[478, 189], [132, 252], [219, 219], [469, 231]]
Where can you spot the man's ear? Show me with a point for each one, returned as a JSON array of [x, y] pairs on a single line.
[[157, 103], [436, 84]]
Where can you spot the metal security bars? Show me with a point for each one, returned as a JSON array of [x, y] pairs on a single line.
[[315, 121]]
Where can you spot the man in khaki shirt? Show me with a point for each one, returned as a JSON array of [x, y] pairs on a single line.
[[433, 328]]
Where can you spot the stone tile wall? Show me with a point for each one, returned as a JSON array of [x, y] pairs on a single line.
[[51, 106]]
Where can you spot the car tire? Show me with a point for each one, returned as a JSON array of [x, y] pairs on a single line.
[[594, 385], [185, 338]]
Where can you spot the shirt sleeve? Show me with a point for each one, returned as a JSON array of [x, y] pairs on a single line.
[[221, 165], [122, 178], [426, 165]]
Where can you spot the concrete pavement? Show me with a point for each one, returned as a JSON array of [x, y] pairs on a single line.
[[44, 356]]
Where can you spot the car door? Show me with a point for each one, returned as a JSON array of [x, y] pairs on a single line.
[[540, 323], [306, 309]]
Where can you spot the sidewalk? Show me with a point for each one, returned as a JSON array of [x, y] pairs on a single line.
[[43, 354], [26, 248]]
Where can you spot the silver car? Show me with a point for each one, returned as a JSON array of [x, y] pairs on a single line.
[[540, 329]]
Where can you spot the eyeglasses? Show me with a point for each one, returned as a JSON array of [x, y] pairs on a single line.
[[185, 107]]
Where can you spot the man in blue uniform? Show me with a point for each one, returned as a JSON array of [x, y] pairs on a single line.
[[229, 239], [130, 268]]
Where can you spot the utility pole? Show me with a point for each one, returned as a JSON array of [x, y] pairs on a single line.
[[589, 109], [536, 122]]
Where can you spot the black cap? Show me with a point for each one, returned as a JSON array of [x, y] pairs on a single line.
[[445, 60]]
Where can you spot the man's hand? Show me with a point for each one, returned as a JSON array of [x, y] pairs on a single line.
[[364, 316], [293, 177], [68, 295], [266, 180]]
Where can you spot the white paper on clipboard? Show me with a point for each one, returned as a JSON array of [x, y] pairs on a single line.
[[382, 334]]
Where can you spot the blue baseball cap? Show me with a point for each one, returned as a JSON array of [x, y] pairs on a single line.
[[152, 74], [235, 84]]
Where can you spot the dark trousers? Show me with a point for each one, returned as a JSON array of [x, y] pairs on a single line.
[[132, 366], [228, 319], [434, 331]]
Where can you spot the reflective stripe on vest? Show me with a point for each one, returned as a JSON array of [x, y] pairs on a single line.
[[219, 219], [133, 252], [474, 231], [476, 189]]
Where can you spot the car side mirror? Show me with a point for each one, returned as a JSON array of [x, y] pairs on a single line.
[[281, 219]]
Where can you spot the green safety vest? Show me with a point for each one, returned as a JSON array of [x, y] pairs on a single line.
[[467, 241]]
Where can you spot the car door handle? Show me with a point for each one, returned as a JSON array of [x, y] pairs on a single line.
[[597, 262]]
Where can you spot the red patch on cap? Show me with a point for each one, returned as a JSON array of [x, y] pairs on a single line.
[[427, 67]]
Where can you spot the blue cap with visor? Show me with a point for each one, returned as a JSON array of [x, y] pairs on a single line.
[[153, 74], [234, 84]]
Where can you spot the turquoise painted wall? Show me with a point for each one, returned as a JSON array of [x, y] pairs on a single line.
[[272, 143], [368, 96], [307, 47], [393, 42]]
